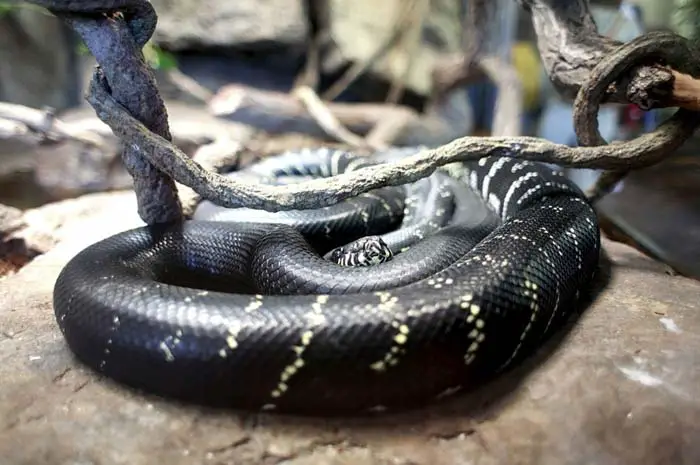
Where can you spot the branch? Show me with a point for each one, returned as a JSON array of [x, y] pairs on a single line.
[[44, 124], [214, 157], [686, 92], [509, 102], [407, 46], [325, 118], [192, 126], [453, 71], [478, 60], [323, 192], [122, 86], [116, 41], [380, 124], [664, 46], [570, 47]]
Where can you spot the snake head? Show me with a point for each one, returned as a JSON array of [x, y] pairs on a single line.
[[366, 251]]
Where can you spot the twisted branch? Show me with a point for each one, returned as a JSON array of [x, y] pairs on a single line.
[[637, 153], [658, 45], [116, 41], [155, 162], [570, 46]]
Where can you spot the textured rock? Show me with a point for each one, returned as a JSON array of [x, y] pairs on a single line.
[[275, 32], [359, 28], [622, 387], [258, 25], [14, 252], [40, 66]]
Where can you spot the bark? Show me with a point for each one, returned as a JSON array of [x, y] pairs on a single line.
[[570, 47]]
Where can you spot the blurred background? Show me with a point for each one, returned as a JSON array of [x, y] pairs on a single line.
[[226, 69]]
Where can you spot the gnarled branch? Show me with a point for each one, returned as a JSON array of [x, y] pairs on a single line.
[[568, 42], [570, 47]]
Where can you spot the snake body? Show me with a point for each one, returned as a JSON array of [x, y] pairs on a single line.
[[242, 309]]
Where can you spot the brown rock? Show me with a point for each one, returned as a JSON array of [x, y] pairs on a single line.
[[622, 387]]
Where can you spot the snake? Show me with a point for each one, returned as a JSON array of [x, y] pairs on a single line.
[[465, 273]]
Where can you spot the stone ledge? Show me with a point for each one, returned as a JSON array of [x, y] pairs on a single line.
[[622, 386]]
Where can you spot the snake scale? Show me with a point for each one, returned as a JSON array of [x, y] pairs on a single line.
[[234, 309]]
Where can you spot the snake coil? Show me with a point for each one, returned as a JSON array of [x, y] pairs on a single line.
[[239, 308]]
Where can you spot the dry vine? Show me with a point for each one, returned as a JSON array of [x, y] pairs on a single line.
[[124, 96]]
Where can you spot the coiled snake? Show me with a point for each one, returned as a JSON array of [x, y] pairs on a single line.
[[245, 312]]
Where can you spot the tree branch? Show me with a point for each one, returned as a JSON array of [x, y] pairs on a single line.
[[570, 47], [578, 60], [44, 124], [323, 192], [664, 46], [378, 123]]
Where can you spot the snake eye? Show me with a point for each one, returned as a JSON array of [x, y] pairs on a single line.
[[336, 254]]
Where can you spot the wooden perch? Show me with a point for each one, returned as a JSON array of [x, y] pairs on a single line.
[[686, 92], [570, 47]]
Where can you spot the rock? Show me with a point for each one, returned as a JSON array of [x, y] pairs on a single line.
[[276, 42], [18, 243], [10, 219], [254, 26], [213, 72], [39, 56], [13, 252], [359, 28], [622, 387]]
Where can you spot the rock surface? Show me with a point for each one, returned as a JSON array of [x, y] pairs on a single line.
[[275, 32], [39, 57], [255, 26], [359, 28], [622, 387]]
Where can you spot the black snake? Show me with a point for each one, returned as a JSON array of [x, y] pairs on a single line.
[[248, 314]]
